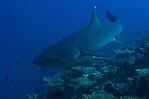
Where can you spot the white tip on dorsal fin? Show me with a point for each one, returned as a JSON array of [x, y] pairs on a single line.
[[94, 19]]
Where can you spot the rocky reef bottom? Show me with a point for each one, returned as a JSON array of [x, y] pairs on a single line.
[[125, 75]]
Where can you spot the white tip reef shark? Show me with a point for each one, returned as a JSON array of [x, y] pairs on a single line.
[[87, 40]]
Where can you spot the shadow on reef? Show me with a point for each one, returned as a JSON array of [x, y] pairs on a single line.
[[122, 76]]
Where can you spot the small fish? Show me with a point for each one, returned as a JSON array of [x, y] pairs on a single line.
[[110, 16]]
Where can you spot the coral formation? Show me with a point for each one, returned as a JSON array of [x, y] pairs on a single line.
[[143, 72], [122, 76]]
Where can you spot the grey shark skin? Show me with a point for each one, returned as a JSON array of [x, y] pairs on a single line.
[[87, 40]]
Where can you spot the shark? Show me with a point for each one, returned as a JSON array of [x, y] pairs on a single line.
[[85, 41]]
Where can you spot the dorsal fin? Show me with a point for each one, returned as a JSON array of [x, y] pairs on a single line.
[[94, 19]]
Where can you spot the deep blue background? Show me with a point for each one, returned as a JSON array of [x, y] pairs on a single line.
[[29, 26]]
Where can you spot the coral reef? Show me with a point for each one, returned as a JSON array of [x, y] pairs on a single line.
[[143, 72], [122, 76]]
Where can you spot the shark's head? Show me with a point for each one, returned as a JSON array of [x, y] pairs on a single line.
[[112, 31], [98, 35], [116, 28]]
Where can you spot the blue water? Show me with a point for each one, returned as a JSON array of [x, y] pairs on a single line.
[[29, 26]]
